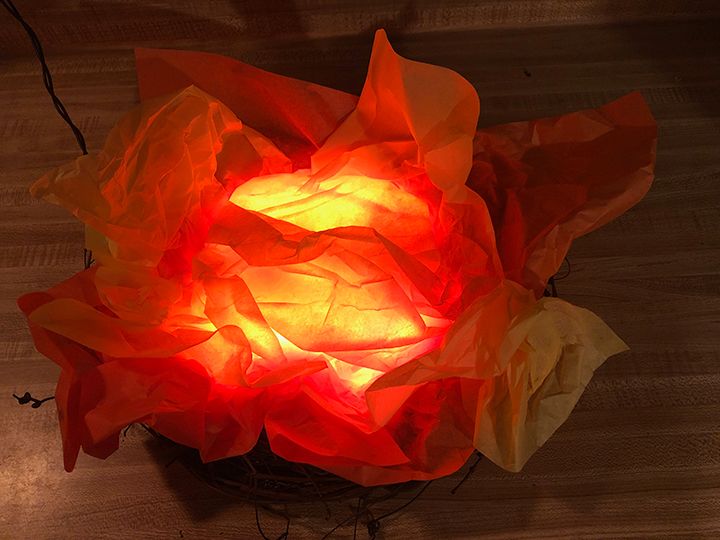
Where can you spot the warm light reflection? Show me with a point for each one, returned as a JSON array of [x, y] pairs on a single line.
[[339, 201], [360, 318]]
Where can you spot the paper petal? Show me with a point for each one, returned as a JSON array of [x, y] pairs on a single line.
[[555, 351], [408, 112], [147, 196], [551, 180], [296, 115]]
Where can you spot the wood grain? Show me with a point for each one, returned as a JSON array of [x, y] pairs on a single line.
[[639, 457]]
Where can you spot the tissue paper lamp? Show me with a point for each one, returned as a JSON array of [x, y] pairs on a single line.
[[361, 278]]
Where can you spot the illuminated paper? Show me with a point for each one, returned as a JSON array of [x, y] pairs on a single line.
[[362, 278]]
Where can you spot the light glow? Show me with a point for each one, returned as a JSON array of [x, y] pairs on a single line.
[[340, 301]]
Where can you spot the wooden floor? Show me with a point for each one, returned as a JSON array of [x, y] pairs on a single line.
[[640, 456]]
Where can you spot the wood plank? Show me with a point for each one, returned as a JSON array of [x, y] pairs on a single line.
[[639, 457]]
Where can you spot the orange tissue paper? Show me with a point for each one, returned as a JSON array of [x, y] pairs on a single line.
[[362, 278]]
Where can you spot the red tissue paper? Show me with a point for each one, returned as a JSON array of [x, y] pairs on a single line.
[[362, 278]]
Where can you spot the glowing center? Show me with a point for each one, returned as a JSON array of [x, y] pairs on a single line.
[[350, 297]]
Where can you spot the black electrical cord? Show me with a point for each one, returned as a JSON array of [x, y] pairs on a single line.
[[47, 76], [50, 87], [62, 111]]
